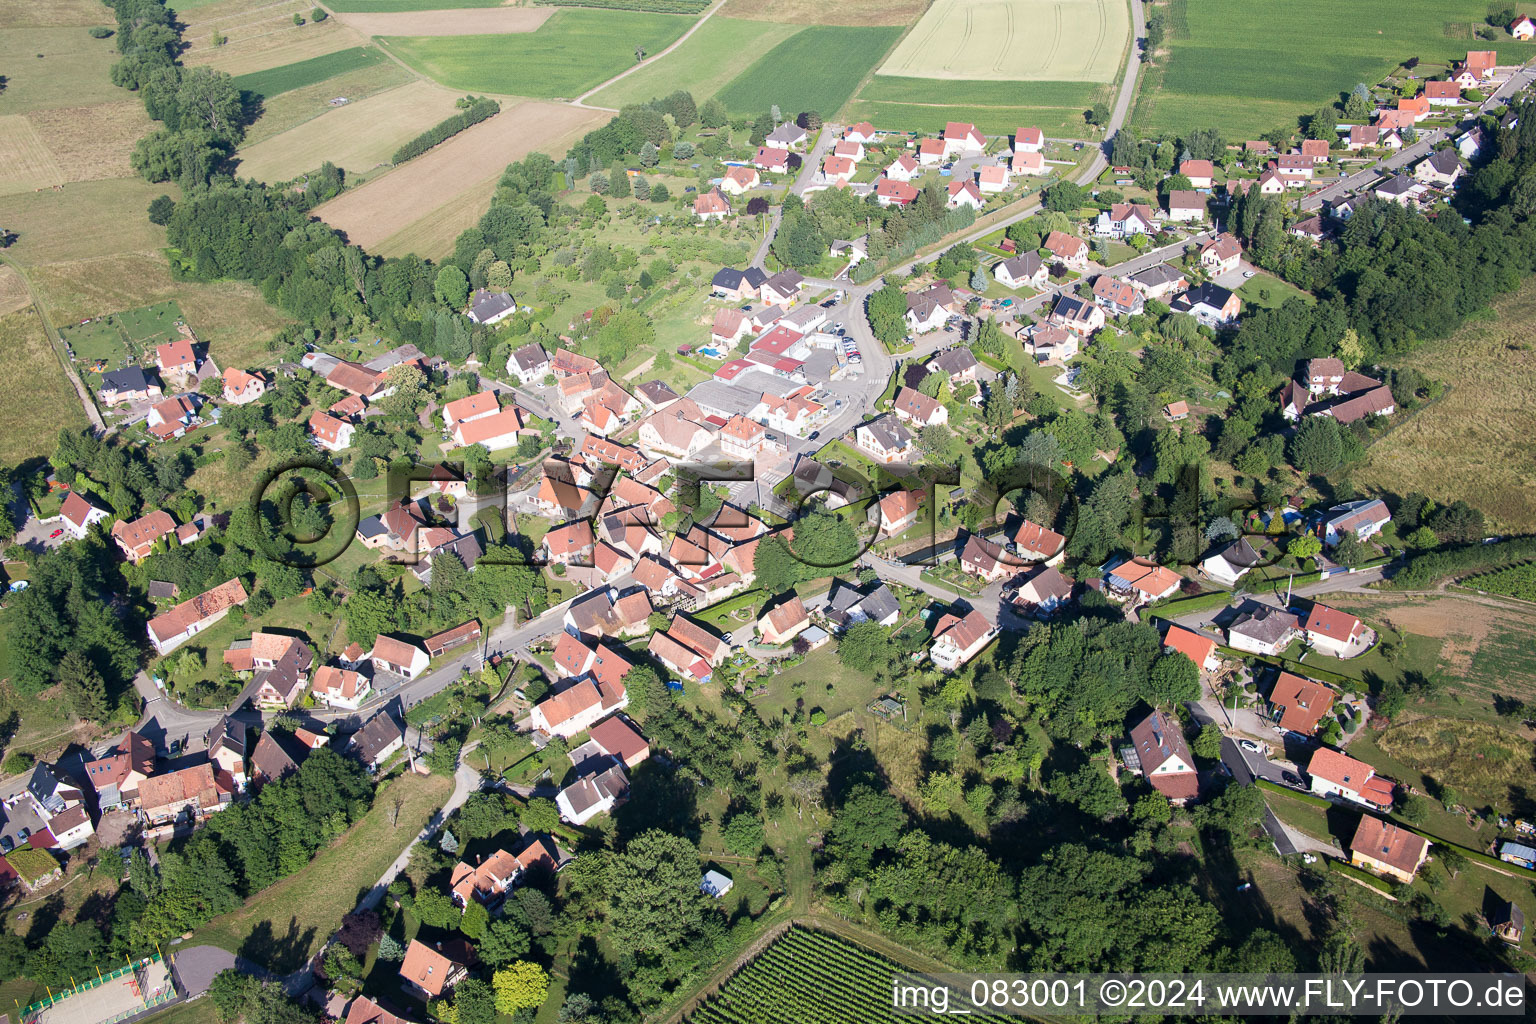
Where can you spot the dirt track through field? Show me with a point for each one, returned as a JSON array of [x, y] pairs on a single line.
[[470, 21], [394, 200]]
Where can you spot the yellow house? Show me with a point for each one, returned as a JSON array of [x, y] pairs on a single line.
[[1387, 850]]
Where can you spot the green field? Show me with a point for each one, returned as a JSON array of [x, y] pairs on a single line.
[[401, 6], [817, 69], [720, 50], [571, 52], [280, 79], [1010, 40], [114, 337], [654, 6], [1244, 67], [1516, 581], [1064, 122]]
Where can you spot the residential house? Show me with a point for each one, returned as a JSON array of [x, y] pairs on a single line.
[[1478, 66], [739, 180], [280, 666], [558, 492], [1310, 229], [1359, 396], [965, 193], [1023, 270], [885, 438], [891, 191], [565, 363], [680, 430], [398, 657], [899, 510], [1386, 849], [1116, 296], [1315, 150], [1209, 303], [1400, 189], [1159, 282], [1363, 136], [711, 205], [191, 793], [1331, 631], [241, 388], [172, 417], [992, 178], [1339, 775], [171, 629], [137, 538], [428, 973], [1271, 183], [1079, 316], [378, 739], [1185, 205], [1140, 582], [130, 384], [356, 379], [1222, 254], [1028, 164], [574, 709], [1522, 28], [469, 409], [962, 139], [854, 250], [930, 152], [742, 438], [1298, 704], [848, 605], [783, 622], [226, 749], [904, 168], [329, 432], [1122, 220], [773, 159], [1440, 168], [915, 408], [591, 795], [340, 687], [959, 638], [658, 394], [490, 307], [984, 558], [116, 773], [1165, 760], [838, 170], [1035, 543], [528, 363], [495, 431], [930, 309], [1201, 173], [1442, 94], [176, 361], [861, 132], [1043, 590], [1471, 144], [787, 135], [1048, 343], [1363, 517], [569, 544], [1197, 647], [958, 364], [1068, 249], [616, 737], [1228, 565], [737, 285], [690, 650], [1262, 630]]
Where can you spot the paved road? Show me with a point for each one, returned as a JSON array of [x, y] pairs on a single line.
[[465, 781]]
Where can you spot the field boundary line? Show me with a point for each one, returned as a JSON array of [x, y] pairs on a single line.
[[581, 101], [56, 342]]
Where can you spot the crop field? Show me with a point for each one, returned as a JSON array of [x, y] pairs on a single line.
[[414, 191], [293, 108], [396, 6], [1011, 40], [817, 69], [806, 976], [357, 137], [45, 67], [463, 21], [572, 52], [1475, 443], [278, 80], [819, 12], [37, 400], [433, 236], [1517, 581], [261, 34], [95, 142], [13, 291], [1245, 67], [30, 14], [997, 108], [721, 49], [920, 117], [26, 165]]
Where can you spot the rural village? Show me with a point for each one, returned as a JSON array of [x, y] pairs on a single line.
[[757, 530]]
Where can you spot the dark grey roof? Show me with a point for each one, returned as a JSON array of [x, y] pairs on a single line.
[[467, 547], [1024, 265], [46, 788], [1241, 553], [1213, 295], [129, 378], [227, 732], [1159, 274], [1072, 307], [160, 588], [488, 304], [530, 355], [273, 758], [889, 432], [880, 602], [786, 281], [372, 527], [954, 360], [1445, 160], [730, 277], [1264, 624], [657, 392], [376, 734], [1399, 185]]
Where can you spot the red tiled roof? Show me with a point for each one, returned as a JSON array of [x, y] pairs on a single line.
[[1190, 644], [1303, 701]]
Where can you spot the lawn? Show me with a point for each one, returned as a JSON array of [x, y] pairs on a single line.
[[1266, 292], [1244, 67], [299, 913], [297, 75], [1475, 443], [1061, 40], [1063, 121], [571, 52], [38, 400], [122, 335], [817, 69], [721, 49]]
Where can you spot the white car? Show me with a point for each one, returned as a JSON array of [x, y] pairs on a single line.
[[1247, 274], [1251, 746]]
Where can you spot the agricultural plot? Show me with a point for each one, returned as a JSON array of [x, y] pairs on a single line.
[[45, 65], [70, 223], [1516, 581], [1012, 40], [26, 165], [357, 137], [13, 291], [95, 142], [397, 6], [296, 106], [1246, 67], [819, 12], [807, 976], [721, 49], [415, 191], [997, 108], [573, 51], [463, 21], [29, 14], [1480, 760], [260, 34], [38, 401], [273, 81], [817, 69]]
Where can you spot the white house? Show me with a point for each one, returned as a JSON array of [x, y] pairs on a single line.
[[961, 139], [398, 657], [958, 639], [330, 432], [592, 795], [1364, 518], [528, 363], [1023, 270], [78, 514]]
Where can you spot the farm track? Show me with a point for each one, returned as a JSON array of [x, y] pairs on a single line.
[[580, 101], [56, 342]]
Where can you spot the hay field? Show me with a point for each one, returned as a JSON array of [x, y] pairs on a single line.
[[997, 108], [292, 108], [36, 400], [720, 50], [414, 191], [467, 21], [95, 142], [1016, 40], [31, 14], [83, 220], [13, 291], [433, 236], [357, 137], [47, 67], [261, 35], [1475, 443], [26, 165], [819, 12]]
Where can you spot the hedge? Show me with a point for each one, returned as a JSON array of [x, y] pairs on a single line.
[[1433, 566], [1184, 605], [1306, 798], [477, 111], [1380, 885]]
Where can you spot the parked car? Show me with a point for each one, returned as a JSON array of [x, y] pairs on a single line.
[[1291, 779], [56, 534], [814, 435], [1251, 746]]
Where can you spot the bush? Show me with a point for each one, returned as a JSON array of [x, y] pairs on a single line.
[[17, 763], [100, 32], [318, 15]]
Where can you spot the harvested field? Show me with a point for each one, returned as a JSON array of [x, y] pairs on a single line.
[[1014, 40], [357, 137], [13, 291], [433, 237], [26, 165], [45, 67], [67, 224], [819, 12], [31, 14], [296, 106], [37, 403], [261, 34], [91, 143], [397, 6], [721, 49], [468, 21], [1475, 443], [416, 190]]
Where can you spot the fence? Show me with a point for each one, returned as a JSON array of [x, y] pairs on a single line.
[[30, 1013]]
